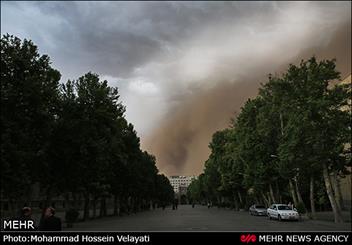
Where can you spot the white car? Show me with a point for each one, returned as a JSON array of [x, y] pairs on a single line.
[[281, 212]]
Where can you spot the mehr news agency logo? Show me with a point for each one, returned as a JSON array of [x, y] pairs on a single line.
[[296, 238]]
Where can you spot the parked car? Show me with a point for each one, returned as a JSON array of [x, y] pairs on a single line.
[[281, 212], [257, 209]]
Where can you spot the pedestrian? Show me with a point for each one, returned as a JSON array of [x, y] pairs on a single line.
[[26, 214], [49, 221], [175, 204]]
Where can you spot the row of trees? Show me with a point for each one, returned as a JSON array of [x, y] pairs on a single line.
[[72, 139], [290, 143]]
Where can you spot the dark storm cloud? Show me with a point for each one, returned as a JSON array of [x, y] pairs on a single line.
[[114, 38]]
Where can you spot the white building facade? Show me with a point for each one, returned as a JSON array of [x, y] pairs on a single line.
[[181, 183]]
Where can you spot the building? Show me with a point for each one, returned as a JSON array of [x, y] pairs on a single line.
[[181, 183]]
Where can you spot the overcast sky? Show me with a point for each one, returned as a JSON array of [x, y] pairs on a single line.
[[161, 54]]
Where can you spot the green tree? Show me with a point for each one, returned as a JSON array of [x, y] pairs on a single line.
[[87, 122], [29, 94], [316, 129], [163, 190], [309, 113]]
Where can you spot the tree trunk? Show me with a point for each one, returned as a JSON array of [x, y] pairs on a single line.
[[272, 193], [281, 124], [269, 198], [48, 197], [133, 210], [299, 197], [116, 205], [337, 192], [329, 191], [256, 200], [311, 196], [68, 203], [129, 204], [277, 192], [340, 194], [102, 212], [12, 208], [218, 199], [86, 207], [94, 204], [105, 209], [236, 203], [74, 201], [293, 193], [267, 202], [240, 199]]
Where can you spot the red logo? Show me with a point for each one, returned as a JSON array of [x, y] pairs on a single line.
[[248, 238]]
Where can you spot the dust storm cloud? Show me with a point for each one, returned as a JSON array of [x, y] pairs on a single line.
[[181, 141]]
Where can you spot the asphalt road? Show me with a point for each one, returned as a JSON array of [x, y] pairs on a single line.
[[201, 218]]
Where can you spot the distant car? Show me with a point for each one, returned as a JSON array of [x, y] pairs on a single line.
[[281, 212], [257, 209]]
